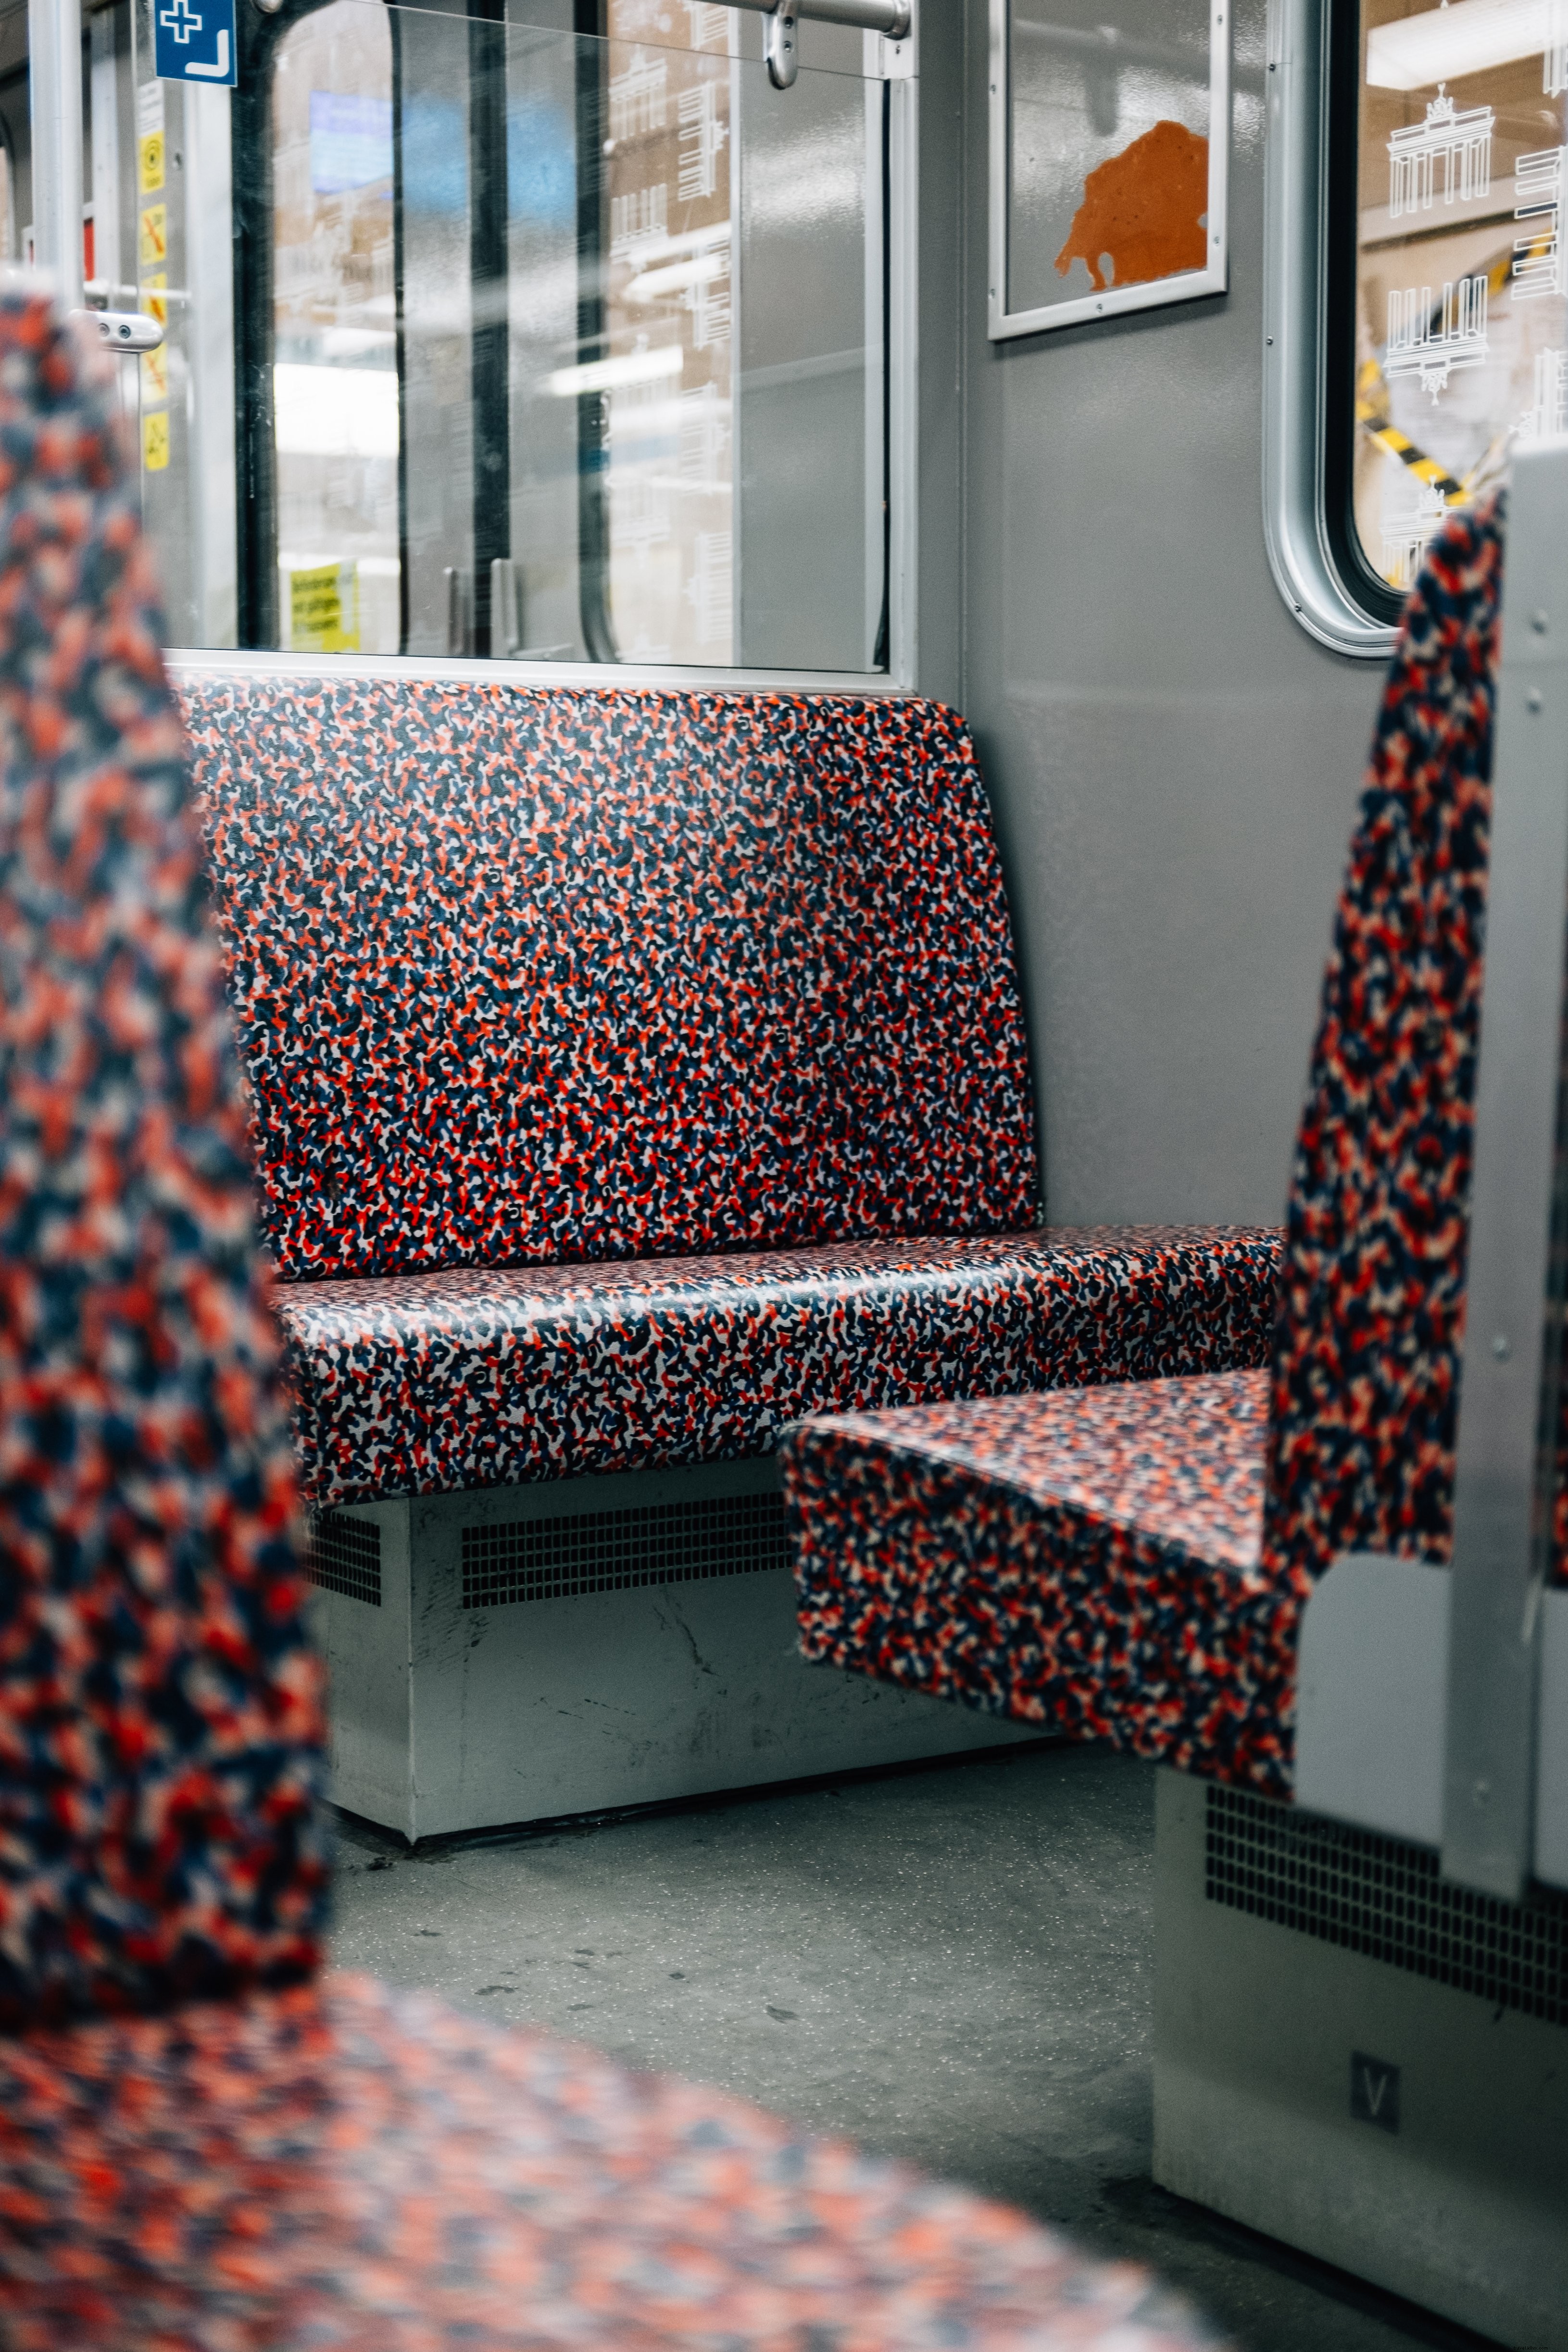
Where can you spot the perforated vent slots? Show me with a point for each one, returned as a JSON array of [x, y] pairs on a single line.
[[344, 1556], [1376, 1896], [616, 1552]]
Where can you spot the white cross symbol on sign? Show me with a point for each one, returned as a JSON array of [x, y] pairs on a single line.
[[181, 20]]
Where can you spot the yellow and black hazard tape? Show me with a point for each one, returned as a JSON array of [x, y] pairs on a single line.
[[1371, 412]]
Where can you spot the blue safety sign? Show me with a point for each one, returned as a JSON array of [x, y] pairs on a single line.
[[194, 40]]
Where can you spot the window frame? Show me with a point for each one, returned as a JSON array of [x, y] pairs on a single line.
[[894, 63], [1188, 285], [1308, 418]]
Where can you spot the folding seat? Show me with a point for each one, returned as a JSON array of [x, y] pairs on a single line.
[[1254, 1576], [1130, 1562], [203, 2146]]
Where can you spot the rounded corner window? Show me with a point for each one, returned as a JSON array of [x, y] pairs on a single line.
[[1441, 301]]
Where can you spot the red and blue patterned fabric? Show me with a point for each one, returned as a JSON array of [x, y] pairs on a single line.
[[614, 1058], [529, 977], [353, 2170], [260, 2166], [1088, 1560], [1132, 1563], [160, 1713], [424, 1383], [1365, 1366]]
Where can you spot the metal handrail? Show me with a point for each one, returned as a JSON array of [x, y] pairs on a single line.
[[891, 18]]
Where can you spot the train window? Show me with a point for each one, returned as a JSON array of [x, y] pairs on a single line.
[[564, 339], [1417, 322], [1460, 325]]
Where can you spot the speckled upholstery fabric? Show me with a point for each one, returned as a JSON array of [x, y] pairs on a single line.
[[362, 2171], [1132, 1564], [521, 977], [160, 1722], [421, 1383], [1365, 1371], [614, 1056], [1088, 1560]]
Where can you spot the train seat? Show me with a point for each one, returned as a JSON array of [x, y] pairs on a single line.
[[616, 1060], [202, 2142], [458, 1378], [631, 1073], [1354, 2050], [1132, 1563]]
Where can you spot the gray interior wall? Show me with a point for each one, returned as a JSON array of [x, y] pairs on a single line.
[[1172, 763]]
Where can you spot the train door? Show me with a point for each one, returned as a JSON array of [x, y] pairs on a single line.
[[555, 332]]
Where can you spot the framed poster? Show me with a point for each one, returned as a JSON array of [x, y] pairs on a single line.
[[1109, 147]]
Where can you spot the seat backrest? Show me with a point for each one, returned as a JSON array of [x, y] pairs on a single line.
[[542, 975], [1365, 1367], [161, 1733]]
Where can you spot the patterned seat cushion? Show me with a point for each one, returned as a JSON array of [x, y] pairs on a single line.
[[525, 977], [1090, 1560], [442, 1381], [368, 2171], [615, 1057], [1163, 1562], [161, 1731]]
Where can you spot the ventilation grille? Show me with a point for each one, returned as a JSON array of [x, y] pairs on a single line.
[[616, 1551], [344, 1556], [1376, 1896]]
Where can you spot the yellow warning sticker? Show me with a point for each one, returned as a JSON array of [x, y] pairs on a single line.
[[153, 245], [150, 156], [155, 441], [155, 374], [154, 297], [323, 609]]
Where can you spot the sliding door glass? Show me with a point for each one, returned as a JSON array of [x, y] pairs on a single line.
[[554, 339]]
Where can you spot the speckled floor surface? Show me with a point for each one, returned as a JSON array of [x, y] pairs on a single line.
[[952, 1966]]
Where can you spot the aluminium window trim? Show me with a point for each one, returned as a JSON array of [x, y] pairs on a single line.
[[1307, 572], [1184, 286], [890, 61], [481, 670]]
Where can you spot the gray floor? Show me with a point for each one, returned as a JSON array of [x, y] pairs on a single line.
[[951, 1965]]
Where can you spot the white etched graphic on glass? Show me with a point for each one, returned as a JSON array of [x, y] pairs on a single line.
[[708, 24], [641, 416], [703, 136], [708, 297], [709, 589], [637, 220], [638, 97], [1547, 415], [699, 278], [1538, 202], [1448, 147], [1432, 341], [705, 439], [1405, 536], [1554, 63]]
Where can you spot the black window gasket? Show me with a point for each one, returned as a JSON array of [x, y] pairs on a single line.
[[1342, 172]]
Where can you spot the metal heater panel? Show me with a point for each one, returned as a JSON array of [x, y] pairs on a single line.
[[1361, 2061]]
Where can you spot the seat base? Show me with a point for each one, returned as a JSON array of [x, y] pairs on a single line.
[[1410, 2130], [572, 1647]]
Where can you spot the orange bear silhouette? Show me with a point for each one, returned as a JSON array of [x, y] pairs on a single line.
[[1145, 208]]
